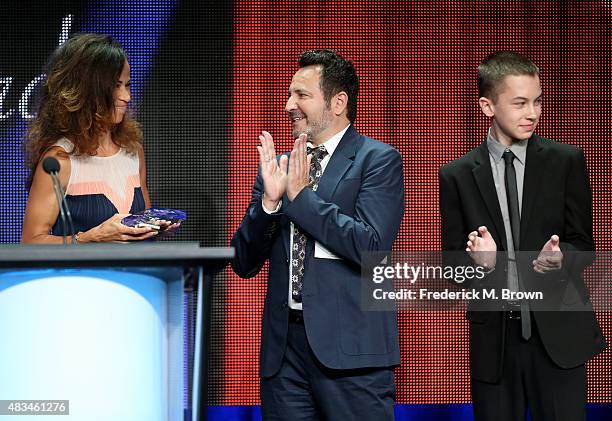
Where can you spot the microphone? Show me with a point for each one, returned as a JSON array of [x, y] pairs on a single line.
[[52, 166]]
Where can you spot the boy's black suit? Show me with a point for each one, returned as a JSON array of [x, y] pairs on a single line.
[[556, 200]]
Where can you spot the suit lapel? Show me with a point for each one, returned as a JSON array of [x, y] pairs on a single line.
[[286, 229], [338, 165], [535, 169], [483, 174]]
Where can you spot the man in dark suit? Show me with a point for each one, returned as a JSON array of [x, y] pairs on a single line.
[[529, 198], [313, 215]]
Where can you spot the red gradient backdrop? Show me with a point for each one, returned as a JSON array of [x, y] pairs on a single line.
[[417, 63]]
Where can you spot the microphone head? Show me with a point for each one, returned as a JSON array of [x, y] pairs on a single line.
[[50, 165]]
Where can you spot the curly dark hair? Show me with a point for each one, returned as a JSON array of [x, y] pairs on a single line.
[[76, 100]]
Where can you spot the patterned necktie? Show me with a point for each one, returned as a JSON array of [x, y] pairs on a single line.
[[298, 253]]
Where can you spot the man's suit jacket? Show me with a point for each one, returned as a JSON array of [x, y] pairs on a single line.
[[357, 208], [556, 200]]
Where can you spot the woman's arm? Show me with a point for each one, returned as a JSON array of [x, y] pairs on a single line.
[[143, 177], [42, 209]]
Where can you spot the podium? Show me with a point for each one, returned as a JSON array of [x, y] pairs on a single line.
[[105, 329]]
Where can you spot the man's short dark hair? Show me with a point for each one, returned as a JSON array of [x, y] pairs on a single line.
[[337, 75], [495, 67]]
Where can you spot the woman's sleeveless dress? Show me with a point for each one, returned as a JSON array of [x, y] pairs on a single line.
[[100, 187]]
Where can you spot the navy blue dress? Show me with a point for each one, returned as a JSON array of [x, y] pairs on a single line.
[[100, 187]]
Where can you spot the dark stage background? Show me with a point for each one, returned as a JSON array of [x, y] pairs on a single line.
[[209, 76]]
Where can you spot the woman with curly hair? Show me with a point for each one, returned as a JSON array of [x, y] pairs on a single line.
[[82, 121]]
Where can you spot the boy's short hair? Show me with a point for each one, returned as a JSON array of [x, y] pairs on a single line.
[[495, 67]]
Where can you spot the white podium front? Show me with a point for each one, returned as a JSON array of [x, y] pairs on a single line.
[[105, 332]]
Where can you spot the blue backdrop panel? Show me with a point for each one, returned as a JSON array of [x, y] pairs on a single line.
[[402, 412]]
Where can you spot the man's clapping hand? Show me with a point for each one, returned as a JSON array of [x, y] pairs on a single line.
[[273, 172]]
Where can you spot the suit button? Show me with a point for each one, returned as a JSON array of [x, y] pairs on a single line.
[[284, 305], [287, 261]]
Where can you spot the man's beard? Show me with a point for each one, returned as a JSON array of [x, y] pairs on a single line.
[[316, 127]]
